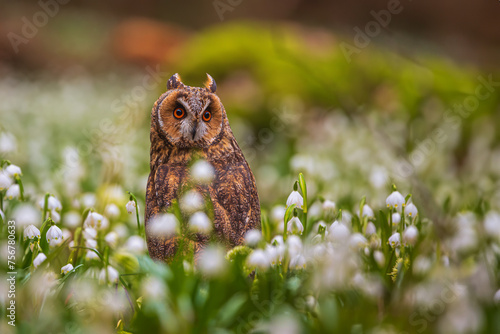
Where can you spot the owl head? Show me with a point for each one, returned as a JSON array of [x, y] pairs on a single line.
[[189, 116]]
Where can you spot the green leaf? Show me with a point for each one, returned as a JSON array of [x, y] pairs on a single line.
[[303, 188], [288, 216]]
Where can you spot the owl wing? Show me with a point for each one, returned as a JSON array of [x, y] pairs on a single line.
[[235, 200], [163, 183]]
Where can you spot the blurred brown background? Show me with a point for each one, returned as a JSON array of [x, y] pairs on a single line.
[[148, 32]]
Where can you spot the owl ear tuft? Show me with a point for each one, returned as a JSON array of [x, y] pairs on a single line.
[[210, 84], [174, 82]]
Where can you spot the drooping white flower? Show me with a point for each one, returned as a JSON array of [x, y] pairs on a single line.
[[88, 200], [367, 211], [395, 240], [25, 215], [31, 232], [130, 207], [298, 262], [395, 200], [39, 260], [328, 206], [113, 275], [91, 243], [163, 225], [8, 143], [295, 198], [66, 269], [357, 241], [14, 192], [199, 222], [379, 258], [5, 180], [396, 218], [112, 239], [370, 229], [95, 220], [275, 253], [54, 233], [202, 172], [56, 217], [212, 261], [72, 219], [91, 255], [89, 233], [2, 214], [135, 245], [278, 213], [53, 204], [411, 210], [338, 232], [112, 211], [294, 244], [295, 226], [191, 202], [13, 171], [410, 235], [492, 224], [253, 237], [258, 258]]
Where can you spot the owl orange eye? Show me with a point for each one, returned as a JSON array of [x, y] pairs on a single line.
[[179, 113], [207, 115]]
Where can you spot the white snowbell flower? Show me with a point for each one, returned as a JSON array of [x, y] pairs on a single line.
[[295, 198], [410, 235], [253, 237], [275, 253], [54, 233], [395, 240], [66, 234], [396, 218], [39, 260], [130, 207], [113, 275], [66, 269], [112, 211], [2, 214], [163, 225], [8, 142], [367, 211], [31, 232], [379, 258], [89, 233], [88, 200], [72, 219], [278, 240], [91, 243], [25, 215], [258, 258], [56, 217], [278, 213], [357, 241], [212, 261], [294, 244], [202, 172], [135, 245], [370, 229], [13, 170], [297, 262], [14, 192], [338, 232], [411, 210], [295, 226], [492, 224], [328, 206], [53, 204], [91, 255], [395, 200], [496, 297], [95, 220], [112, 239], [5, 180], [199, 222], [191, 202]]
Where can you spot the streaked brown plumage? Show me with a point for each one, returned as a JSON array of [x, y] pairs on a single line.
[[175, 142]]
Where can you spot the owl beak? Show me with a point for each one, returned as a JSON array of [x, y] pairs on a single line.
[[193, 130]]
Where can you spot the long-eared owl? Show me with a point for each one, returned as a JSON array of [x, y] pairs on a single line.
[[189, 123]]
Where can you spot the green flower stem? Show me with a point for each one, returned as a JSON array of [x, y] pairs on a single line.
[[21, 187], [133, 198], [303, 188], [45, 206]]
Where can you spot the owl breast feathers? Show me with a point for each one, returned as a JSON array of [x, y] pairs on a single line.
[[189, 123]]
